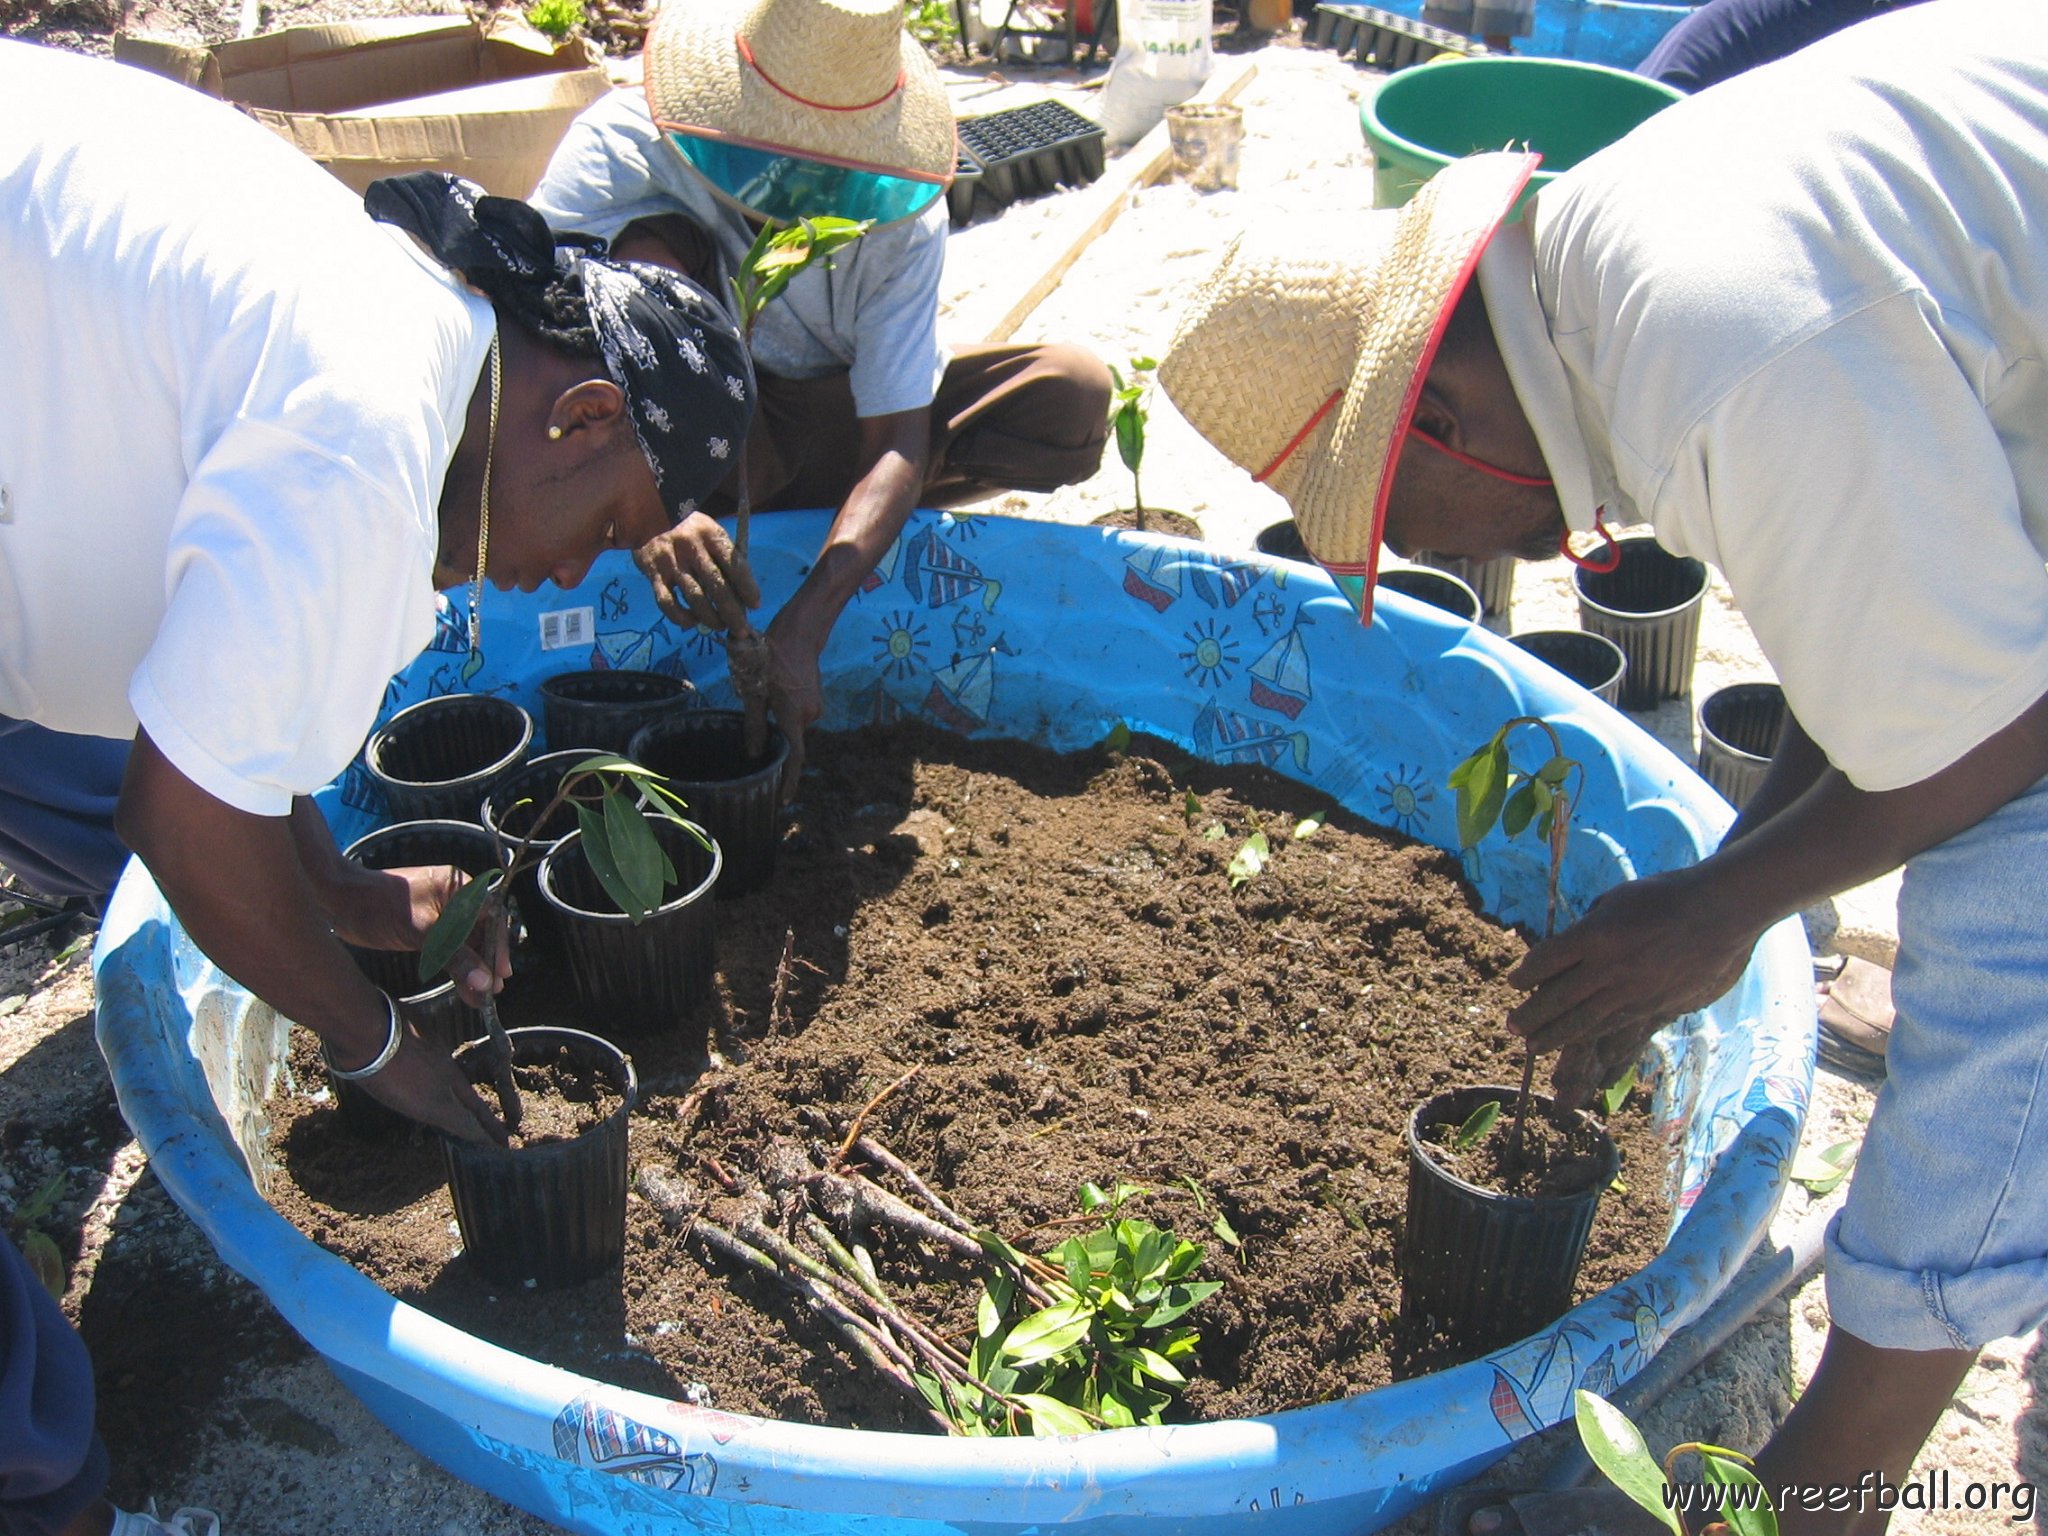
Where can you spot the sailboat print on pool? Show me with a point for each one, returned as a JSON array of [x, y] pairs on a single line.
[[1280, 677], [939, 574], [961, 693], [1225, 736], [1152, 574]]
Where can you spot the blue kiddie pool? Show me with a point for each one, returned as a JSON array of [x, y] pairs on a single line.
[[1050, 634]]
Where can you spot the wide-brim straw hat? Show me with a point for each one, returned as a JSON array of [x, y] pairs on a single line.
[[1302, 356], [839, 81]]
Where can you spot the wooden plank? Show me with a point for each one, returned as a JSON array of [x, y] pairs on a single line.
[[1096, 206]]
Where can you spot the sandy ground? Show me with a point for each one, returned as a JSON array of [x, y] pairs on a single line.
[[277, 1446]]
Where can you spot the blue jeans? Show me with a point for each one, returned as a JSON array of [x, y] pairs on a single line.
[[52, 1464], [1725, 37], [1943, 1243], [57, 796]]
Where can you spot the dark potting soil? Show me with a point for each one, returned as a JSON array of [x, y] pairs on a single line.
[[1157, 520], [559, 1099], [1055, 945], [1559, 1155]]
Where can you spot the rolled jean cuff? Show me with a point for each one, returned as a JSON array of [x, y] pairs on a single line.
[[1927, 1309]]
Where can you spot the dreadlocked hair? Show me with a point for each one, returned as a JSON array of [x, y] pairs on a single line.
[[555, 311]]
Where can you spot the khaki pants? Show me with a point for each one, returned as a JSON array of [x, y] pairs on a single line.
[[1005, 418]]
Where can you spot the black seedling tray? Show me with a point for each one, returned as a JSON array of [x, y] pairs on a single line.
[[1383, 40], [966, 183], [1024, 151]]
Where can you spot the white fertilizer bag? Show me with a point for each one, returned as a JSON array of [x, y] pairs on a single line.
[[1162, 57]]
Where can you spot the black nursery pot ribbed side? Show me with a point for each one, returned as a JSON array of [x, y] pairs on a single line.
[[1480, 1269], [1649, 605], [639, 978], [703, 755], [435, 1009], [600, 710], [554, 1214], [436, 760], [1592, 661]]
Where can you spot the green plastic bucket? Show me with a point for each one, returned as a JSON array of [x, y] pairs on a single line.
[[1420, 120]]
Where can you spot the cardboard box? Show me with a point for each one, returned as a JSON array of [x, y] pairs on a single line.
[[379, 98]]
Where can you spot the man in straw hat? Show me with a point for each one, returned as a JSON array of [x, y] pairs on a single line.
[[246, 430], [763, 112], [1796, 323]]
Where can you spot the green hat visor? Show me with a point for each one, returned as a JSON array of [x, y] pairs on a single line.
[[783, 188]]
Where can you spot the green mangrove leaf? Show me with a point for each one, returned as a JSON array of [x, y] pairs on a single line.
[[453, 927], [1617, 1449]]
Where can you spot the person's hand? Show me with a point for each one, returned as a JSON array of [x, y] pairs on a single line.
[[697, 576], [795, 691], [1647, 952], [396, 908], [424, 1085]]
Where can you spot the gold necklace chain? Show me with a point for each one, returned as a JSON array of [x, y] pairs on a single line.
[[483, 517]]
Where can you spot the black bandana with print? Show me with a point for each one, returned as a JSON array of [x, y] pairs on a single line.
[[688, 381]]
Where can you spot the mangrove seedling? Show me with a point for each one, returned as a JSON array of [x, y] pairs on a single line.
[[1490, 789], [776, 256], [624, 854], [45, 1259], [1109, 1348], [1127, 402], [1617, 1448]]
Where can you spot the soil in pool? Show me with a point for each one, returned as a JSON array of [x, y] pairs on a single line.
[[1056, 944]]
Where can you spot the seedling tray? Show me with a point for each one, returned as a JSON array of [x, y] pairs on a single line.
[[960, 196], [1025, 151], [1382, 40]]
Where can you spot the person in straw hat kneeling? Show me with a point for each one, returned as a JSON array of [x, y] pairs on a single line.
[[763, 112], [1796, 324]]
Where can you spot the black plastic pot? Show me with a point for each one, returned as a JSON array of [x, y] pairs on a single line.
[[438, 759], [1649, 605], [1283, 541], [1440, 589], [703, 755], [436, 1010], [637, 978], [599, 711], [1480, 1270], [510, 809], [1592, 661], [1493, 580], [1739, 728], [553, 1214]]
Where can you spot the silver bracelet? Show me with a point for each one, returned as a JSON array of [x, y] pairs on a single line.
[[382, 1059]]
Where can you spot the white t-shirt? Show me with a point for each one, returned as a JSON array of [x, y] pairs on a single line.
[[874, 310], [1799, 323], [227, 405]]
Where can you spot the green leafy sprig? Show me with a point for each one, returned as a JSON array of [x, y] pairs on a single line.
[[1490, 789], [1618, 1449], [624, 854], [1128, 398], [1111, 1347]]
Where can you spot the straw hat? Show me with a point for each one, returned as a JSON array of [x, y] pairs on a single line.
[[1302, 356], [838, 81]]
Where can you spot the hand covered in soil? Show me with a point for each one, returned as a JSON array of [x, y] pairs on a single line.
[[424, 1085], [1646, 953], [795, 692], [697, 575], [395, 908]]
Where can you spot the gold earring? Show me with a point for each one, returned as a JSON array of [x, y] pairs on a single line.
[[554, 434]]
